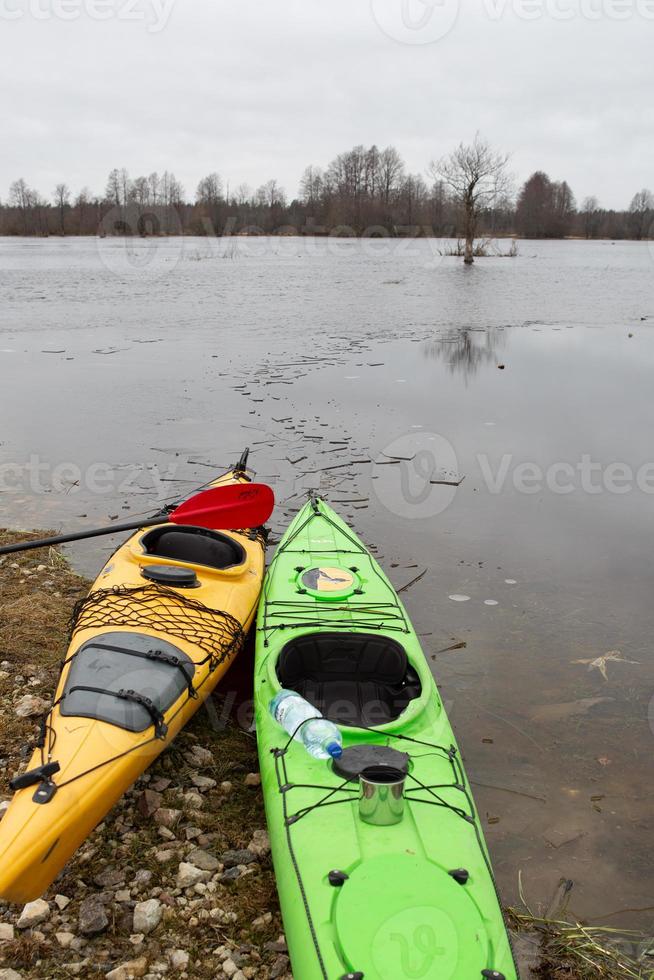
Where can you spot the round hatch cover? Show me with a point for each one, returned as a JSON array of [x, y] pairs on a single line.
[[328, 582], [356, 758], [399, 916], [173, 575]]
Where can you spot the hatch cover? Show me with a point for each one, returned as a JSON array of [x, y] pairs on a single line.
[[400, 917], [328, 582]]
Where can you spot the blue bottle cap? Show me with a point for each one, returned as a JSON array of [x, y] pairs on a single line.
[[335, 750]]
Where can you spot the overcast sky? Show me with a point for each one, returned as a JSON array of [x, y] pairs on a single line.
[[261, 88]]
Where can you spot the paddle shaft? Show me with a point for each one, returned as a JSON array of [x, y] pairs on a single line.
[[96, 532]]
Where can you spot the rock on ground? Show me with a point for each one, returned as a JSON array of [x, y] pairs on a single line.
[[92, 917], [178, 959], [29, 706], [33, 914], [203, 860], [260, 843], [167, 817], [231, 859], [188, 875], [147, 915], [132, 968]]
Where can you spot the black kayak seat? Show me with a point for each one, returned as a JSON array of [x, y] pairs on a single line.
[[352, 678], [114, 662], [196, 545]]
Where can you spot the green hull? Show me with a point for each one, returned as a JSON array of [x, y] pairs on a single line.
[[396, 911]]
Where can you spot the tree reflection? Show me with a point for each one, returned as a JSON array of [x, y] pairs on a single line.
[[464, 350]]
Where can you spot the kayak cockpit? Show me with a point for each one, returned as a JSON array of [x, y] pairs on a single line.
[[195, 545], [357, 679]]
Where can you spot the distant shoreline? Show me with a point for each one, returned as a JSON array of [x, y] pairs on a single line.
[[286, 232]]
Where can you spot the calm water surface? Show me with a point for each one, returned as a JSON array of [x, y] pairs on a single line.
[[367, 369]]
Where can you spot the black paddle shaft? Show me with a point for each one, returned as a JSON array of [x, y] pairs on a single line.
[[97, 532]]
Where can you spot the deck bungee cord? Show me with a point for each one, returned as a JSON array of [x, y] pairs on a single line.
[[376, 616]]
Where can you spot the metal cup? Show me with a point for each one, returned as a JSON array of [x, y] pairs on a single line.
[[381, 795]]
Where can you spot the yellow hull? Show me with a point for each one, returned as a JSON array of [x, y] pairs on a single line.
[[100, 761]]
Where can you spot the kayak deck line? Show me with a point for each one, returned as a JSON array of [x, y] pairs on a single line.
[[369, 616], [286, 785], [374, 615]]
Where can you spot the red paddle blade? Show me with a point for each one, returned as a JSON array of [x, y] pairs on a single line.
[[236, 505]]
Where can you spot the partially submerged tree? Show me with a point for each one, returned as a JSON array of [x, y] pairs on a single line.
[[478, 177]]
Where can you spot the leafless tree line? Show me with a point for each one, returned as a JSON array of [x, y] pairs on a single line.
[[363, 191]]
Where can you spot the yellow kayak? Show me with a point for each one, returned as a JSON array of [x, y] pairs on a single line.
[[160, 627]]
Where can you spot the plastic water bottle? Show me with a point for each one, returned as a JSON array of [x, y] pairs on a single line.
[[320, 737]]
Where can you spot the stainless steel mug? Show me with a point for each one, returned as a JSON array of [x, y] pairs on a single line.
[[381, 795]]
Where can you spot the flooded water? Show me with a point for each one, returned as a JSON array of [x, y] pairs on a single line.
[[131, 373]]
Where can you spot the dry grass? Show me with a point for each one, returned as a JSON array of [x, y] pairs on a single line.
[[572, 951], [37, 593]]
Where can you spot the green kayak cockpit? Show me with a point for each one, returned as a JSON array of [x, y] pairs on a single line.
[[354, 679]]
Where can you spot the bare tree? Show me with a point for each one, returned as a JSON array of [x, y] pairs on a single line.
[[82, 202], [311, 186], [271, 194], [243, 194], [61, 197], [391, 169], [545, 208], [210, 190], [155, 183], [22, 198], [371, 172], [175, 191], [477, 175], [590, 213], [126, 187], [641, 210], [141, 192], [412, 194], [113, 188]]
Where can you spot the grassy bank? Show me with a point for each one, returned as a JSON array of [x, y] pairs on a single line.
[[127, 904]]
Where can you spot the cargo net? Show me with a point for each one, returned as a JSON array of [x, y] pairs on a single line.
[[155, 607]]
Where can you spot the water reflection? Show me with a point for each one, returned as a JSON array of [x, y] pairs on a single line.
[[465, 350]]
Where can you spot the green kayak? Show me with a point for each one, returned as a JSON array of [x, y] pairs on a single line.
[[380, 860]]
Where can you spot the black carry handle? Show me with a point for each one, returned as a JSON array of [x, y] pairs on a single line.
[[242, 464], [33, 776]]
